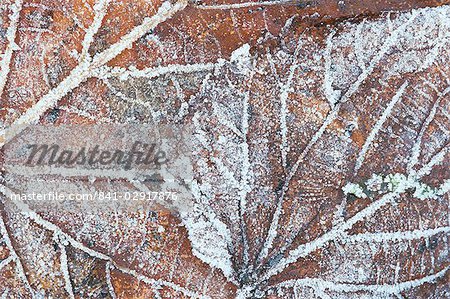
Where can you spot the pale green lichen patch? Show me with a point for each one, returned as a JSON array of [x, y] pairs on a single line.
[[397, 183]]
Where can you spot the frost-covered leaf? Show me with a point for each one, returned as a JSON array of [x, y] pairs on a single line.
[[321, 156]]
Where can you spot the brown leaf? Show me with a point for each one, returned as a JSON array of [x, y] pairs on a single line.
[[320, 147]]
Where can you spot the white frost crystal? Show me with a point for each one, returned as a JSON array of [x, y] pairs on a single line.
[[374, 183], [241, 58], [209, 242], [355, 189], [424, 191]]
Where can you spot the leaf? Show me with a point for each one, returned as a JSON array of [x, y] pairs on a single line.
[[320, 151]]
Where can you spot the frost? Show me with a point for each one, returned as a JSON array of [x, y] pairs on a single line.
[[210, 242], [241, 58], [424, 191], [16, 7], [375, 183], [354, 189]]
